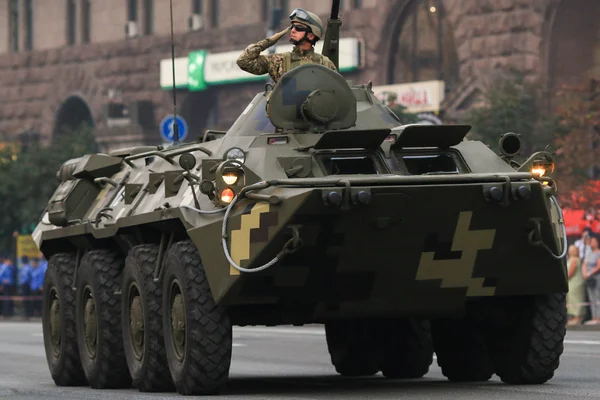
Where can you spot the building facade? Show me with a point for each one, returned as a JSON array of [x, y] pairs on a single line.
[[107, 63]]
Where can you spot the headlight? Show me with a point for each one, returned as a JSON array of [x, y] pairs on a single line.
[[227, 195], [236, 154], [230, 178], [542, 168], [539, 171]]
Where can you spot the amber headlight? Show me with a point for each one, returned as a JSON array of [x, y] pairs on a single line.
[[538, 171], [227, 195], [542, 168]]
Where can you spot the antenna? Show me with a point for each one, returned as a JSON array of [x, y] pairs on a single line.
[[175, 124]]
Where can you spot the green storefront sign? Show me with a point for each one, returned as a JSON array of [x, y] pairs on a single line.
[[196, 60]]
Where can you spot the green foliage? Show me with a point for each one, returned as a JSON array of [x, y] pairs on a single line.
[[513, 104], [28, 180]]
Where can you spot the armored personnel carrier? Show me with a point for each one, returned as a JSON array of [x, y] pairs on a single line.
[[316, 206]]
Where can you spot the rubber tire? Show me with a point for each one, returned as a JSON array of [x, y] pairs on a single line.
[[528, 352], [151, 373], [351, 348], [101, 271], [461, 350], [208, 330], [405, 348], [65, 369]]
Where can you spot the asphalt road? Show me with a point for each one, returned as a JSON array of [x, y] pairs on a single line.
[[293, 363]]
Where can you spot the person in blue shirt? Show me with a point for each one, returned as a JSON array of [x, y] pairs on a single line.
[[36, 285], [7, 285], [25, 286]]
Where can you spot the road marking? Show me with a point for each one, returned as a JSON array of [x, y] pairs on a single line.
[[267, 330], [585, 342]]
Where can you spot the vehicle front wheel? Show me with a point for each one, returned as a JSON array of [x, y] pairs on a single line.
[[526, 337]]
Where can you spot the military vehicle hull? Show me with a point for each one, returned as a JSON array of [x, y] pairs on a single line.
[[402, 253]]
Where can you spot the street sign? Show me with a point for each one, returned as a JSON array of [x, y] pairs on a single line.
[[167, 128]]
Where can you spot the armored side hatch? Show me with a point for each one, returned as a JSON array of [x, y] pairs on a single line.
[[78, 189]]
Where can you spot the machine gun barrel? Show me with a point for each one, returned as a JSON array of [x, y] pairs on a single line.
[[335, 10], [331, 43]]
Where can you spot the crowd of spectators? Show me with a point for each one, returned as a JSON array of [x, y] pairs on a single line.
[[583, 265], [22, 285]]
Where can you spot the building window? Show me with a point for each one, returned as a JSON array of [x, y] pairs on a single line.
[[28, 24], [424, 47], [71, 22], [197, 7], [356, 3], [85, 21], [13, 23], [132, 10], [148, 17], [214, 13]]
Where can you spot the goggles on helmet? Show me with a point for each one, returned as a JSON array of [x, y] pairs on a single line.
[[301, 28], [303, 15]]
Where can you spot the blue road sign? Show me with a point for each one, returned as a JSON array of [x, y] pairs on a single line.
[[167, 128]]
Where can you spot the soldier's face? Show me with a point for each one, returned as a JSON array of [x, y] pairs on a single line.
[[298, 30]]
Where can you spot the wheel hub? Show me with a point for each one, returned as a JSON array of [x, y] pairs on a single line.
[[55, 324], [90, 326], [136, 326], [178, 325]]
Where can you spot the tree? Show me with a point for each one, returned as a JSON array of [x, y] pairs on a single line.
[[571, 125], [512, 104], [28, 180], [578, 144]]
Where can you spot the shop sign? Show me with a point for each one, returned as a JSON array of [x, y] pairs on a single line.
[[181, 75], [417, 97]]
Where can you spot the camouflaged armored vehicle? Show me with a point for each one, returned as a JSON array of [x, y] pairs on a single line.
[[316, 206]]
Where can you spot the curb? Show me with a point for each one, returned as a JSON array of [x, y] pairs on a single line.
[[583, 328]]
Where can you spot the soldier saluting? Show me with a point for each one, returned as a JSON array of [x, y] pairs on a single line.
[[305, 30]]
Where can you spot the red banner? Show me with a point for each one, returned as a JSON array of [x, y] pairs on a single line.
[[577, 220]]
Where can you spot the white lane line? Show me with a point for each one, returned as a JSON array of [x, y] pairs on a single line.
[[292, 331], [584, 342]]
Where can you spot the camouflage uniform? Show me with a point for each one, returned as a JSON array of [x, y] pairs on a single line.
[[278, 64]]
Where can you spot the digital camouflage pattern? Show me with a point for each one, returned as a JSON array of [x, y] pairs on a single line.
[[275, 64]]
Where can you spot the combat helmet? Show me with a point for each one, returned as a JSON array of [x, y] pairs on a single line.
[[310, 19]]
